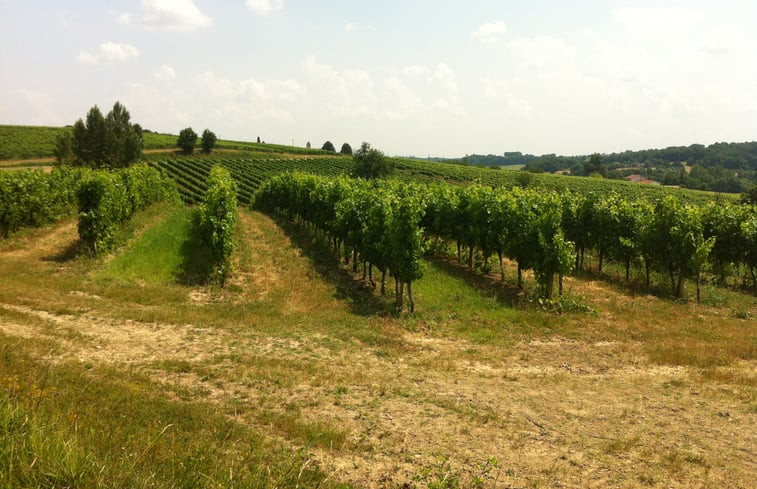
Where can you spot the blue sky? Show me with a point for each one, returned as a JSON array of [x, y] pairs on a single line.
[[440, 78]]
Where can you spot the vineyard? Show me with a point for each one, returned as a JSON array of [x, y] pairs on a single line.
[[385, 224], [249, 172], [23, 142], [257, 349]]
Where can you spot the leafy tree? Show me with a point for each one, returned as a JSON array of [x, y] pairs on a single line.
[[104, 142], [123, 139], [370, 163], [346, 149], [595, 165], [89, 140], [328, 146], [187, 140], [208, 141]]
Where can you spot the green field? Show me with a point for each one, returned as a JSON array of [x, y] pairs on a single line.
[[26, 142]]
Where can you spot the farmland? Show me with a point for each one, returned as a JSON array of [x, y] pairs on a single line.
[[26, 142], [129, 369]]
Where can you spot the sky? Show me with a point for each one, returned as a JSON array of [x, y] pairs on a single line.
[[441, 78]]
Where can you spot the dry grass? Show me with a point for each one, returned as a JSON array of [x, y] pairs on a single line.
[[644, 392]]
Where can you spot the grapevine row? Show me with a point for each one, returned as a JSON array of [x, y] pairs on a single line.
[[377, 223], [550, 233], [249, 172], [32, 198], [106, 200], [218, 215]]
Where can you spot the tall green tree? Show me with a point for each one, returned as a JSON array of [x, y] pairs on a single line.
[[104, 142], [208, 141], [346, 149], [187, 140], [328, 146], [90, 140], [595, 166], [123, 139], [370, 163]]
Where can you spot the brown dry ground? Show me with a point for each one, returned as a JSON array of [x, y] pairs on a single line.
[[581, 400]]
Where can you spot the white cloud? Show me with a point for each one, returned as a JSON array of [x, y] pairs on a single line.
[[342, 93], [490, 33], [31, 107], [63, 22], [656, 24], [109, 53], [250, 90], [265, 7], [177, 15], [722, 39], [351, 27], [165, 73], [417, 94]]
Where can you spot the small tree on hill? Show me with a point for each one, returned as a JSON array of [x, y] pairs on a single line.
[[328, 146], [187, 140], [103, 142], [371, 163], [208, 141], [346, 149], [124, 139]]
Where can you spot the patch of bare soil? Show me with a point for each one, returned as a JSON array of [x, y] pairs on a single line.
[[47, 242], [95, 339], [258, 276], [27, 161]]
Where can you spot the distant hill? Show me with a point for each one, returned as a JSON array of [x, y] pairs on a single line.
[[719, 167]]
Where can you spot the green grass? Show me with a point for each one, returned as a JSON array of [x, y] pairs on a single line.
[[21, 142], [17, 142], [169, 252], [72, 426]]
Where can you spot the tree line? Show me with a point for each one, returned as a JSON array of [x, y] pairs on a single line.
[[113, 141]]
